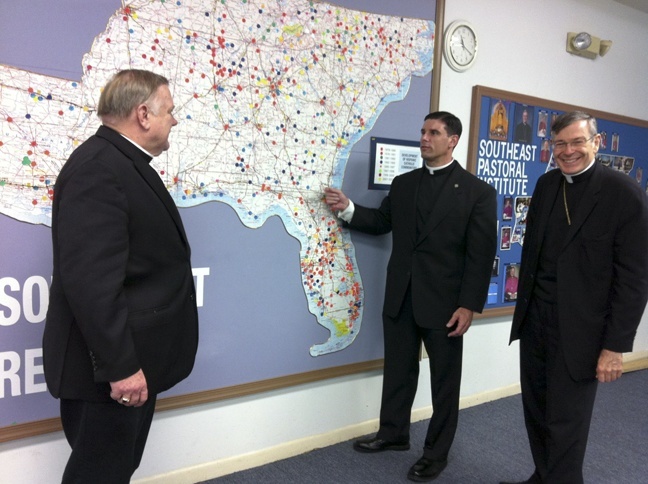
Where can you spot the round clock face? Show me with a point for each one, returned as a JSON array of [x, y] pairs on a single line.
[[460, 45]]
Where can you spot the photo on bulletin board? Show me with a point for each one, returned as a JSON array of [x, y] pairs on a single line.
[[510, 148]]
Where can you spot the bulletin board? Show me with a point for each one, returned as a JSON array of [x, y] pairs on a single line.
[[510, 148]]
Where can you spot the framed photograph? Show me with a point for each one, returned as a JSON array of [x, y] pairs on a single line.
[[496, 263], [505, 238], [511, 282], [507, 209]]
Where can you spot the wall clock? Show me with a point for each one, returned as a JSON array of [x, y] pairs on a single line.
[[460, 45]]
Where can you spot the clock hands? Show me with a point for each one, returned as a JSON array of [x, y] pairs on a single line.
[[466, 48], [462, 44]]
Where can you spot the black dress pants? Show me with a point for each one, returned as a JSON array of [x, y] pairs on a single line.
[[557, 409], [107, 440], [402, 339]]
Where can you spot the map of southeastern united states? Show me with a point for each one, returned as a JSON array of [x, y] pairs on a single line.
[[271, 97]]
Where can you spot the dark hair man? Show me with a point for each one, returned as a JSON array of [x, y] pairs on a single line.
[[444, 233]]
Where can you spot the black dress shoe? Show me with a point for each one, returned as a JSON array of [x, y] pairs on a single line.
[[374, 444], [426, 469]]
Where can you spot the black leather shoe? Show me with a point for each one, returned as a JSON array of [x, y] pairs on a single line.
[[374, 444], [426, 469]]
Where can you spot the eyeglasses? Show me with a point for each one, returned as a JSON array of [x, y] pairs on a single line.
[[575, 143]]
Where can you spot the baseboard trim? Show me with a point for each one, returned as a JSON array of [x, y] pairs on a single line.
[[635, 361], [223, 467]]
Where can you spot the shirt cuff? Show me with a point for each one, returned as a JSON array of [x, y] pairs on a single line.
[[347, 213]]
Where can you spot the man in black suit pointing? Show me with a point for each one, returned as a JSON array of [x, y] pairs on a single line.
[[444, 232]]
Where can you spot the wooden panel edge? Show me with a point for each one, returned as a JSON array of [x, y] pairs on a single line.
[[495, 312], [558, 105], [32, 429], [435, 88], [175, 402]]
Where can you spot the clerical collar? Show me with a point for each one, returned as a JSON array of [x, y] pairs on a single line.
[[439, 170], [141, 149], [571, 178]]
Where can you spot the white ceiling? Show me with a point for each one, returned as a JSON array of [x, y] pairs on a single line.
[[638, 4]]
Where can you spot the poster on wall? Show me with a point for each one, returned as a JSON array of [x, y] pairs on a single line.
[[389, 158], [261, 132], [510, 148]]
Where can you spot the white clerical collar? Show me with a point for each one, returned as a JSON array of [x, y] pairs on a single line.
[[141, 147], [432, 169], [569, 178]]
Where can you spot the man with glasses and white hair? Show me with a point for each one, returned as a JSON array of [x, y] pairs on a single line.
[[582, 291]]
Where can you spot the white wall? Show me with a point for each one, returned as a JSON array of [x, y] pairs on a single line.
[[521, 49]]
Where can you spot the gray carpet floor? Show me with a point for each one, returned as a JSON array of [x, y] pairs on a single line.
[[490, 446]]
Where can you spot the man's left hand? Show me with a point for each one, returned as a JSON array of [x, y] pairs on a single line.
[[462, 318], [610, 366]]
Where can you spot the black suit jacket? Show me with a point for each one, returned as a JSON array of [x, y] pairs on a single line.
[[122, 295], [602, 270], [449, 265]]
